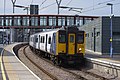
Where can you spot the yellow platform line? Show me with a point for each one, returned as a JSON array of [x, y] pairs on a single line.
[[11, 73], [2, 68]]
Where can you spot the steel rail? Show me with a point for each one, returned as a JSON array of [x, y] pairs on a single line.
[[51, 76]]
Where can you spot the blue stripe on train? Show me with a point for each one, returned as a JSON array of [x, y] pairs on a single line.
[[53, 44]]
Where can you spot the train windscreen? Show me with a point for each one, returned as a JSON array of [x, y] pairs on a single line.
[[62, 37], [80, 38]]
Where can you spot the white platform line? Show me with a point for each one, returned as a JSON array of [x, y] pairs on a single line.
[[24, 64]]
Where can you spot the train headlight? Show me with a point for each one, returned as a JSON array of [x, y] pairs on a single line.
[[80, 49]]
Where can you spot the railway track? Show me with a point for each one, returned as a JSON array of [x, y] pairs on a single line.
[[51, 76], [77, 75], [95, 75], [72, 72]]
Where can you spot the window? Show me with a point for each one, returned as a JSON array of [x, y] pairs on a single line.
[[43, 21], [92, 35], [116, 33], [116, 36], [87, 34], [39, 38], [62, 38], [70, 21], [71, 38], [54, 37], [80, 38], [49, 41], [98, 33], [61, 21], [52, 21], [43, 39], [36, 39]]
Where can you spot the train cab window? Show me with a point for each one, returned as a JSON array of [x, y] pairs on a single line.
[[62, 38], [49, 41], [80, 38], [71, 38]]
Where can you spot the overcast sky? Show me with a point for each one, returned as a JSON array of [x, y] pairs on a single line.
[[90, 7]]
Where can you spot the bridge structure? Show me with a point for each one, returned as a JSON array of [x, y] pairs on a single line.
[[42, 21], [20, 23]]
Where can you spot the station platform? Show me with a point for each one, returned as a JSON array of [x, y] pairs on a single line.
[[12, 68], [115, 59]]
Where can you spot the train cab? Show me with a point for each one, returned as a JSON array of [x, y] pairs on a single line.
[[70, 46]]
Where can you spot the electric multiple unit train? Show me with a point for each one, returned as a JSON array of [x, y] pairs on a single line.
[[63, 45]]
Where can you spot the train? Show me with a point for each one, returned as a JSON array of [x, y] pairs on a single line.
[[64, 45]]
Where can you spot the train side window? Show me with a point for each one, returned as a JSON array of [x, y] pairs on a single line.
[[43, 39], [80, 38], [62, 38], [39, 38], [49, 41], [54, 37]]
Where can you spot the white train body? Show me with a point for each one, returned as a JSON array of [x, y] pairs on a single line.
[[65, 44], [42, 40]]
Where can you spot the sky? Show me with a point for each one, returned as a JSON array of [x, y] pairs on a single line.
[[89, 7]]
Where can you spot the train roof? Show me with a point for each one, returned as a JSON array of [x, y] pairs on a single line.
[[55, 30]]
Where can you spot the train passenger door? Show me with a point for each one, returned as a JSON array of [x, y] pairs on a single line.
[[71, 43], [34, 41], [46, 42], [39, 43]]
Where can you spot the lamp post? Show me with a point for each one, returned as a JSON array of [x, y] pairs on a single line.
[[111, 36]]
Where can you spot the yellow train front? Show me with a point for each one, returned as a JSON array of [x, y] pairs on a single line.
[[70, 46]]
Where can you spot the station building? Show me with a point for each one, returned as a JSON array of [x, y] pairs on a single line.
[[98, 35]]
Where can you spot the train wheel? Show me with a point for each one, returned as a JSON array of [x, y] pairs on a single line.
[[59, 63]]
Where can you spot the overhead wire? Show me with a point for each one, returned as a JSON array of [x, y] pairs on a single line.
[[43, 2], [105, 2], [98, 4], [98, 8], [47, 6], [67, 4]]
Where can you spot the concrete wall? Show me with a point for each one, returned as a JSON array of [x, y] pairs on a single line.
[[98, 35], [93, 31]]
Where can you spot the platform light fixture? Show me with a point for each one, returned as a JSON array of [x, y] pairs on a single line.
[[111, 35]]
